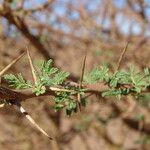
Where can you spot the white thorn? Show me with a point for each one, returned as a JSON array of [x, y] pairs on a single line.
[[2, 105], [23, 111]]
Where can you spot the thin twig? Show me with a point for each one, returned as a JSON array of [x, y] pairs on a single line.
[[60, 89], [121, 57]]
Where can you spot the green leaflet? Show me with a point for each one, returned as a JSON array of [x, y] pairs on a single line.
[[139, 80], [17, 81], [97, 74], [120, 77], [50, 76], [64, 100]]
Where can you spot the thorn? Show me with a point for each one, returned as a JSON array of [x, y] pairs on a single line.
[[23, 111], [31, 66], [82, 71], [2, 105], [11, 64], [81, 80], [121, 56]]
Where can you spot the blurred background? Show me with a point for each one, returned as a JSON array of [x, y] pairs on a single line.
[[63, 30]]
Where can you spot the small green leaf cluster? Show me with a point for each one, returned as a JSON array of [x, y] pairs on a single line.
[[97, 74], [68, 101], [17, 81], [140, 80], [46, 76], [51, 76], [135, 79], [64, 99]]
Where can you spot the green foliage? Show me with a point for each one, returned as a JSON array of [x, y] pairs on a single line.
[[17, 81], [135, 79], [51, 76], [63, 99], [120, 83], [120, 77], [97, 74], [116, 92], [46, 76], [39, 89]]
